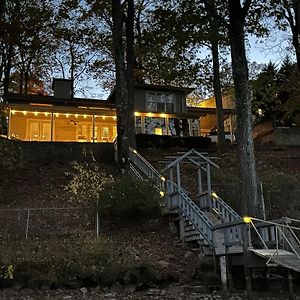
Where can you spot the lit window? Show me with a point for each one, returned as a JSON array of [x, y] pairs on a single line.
[[158, 131], [160, 102]]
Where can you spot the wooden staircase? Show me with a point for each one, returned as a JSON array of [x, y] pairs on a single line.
[[211, 222]]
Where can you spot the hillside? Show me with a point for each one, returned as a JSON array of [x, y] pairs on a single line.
[[63, 223]]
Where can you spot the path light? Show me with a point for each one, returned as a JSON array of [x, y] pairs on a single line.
[[163, 178], [247, 220], [214, 195], [161, 193]]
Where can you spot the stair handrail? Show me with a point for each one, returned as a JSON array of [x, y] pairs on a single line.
[[210, 200], [278, 228], [228, 213], [147, 169], [193, 213]]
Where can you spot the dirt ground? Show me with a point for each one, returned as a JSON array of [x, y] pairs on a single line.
[[36, 186]]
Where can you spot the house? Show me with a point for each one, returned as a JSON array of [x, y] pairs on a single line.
[[159, 110]]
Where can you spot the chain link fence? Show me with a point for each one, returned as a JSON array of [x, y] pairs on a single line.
[[19, 223]]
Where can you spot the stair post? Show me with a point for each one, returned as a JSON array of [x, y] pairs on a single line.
[[181, 229], [223, 269]]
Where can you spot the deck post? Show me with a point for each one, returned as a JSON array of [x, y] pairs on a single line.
[[171, 180], [181, 229], [51, 131], [246, 266], [229, 273], [93, 128], [9, 124], [223, 270], [178, 176], [291, 288]]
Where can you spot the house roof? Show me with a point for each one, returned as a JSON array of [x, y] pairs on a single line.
[[144, 86], [208, 110], [42, 99]]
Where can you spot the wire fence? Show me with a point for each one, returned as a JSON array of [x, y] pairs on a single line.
[[18, 223]]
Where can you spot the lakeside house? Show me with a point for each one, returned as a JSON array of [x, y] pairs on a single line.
[[159, 110]]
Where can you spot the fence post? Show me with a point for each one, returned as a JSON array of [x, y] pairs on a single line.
[[97, 218], [27, 224]]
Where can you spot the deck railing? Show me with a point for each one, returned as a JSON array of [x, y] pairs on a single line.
[[190, 211], [147, 169], [213, 202], [275, 235]]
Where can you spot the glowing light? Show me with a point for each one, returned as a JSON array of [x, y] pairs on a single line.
[[163, 115], [163, 178], [114, 117], [76, 116], [46, 114], [161, 193], [13, 112], [214, 195], [150, 115], [67, 115], [136, 113], [247, 220], [35, 113], [40, 104], [103, 117], [24, 113], [57, 115], [85, 116], [134, 151]]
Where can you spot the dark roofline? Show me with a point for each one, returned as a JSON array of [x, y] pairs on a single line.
[[209, 110], [146, 86], [27, 99]]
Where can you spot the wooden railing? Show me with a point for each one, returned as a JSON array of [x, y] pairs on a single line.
[[189, 210], [214, 203]]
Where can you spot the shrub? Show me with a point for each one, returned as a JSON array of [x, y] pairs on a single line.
[[87, 182], [11, 155], [128, 199]]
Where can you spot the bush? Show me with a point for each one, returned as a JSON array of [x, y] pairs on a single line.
[[87, 182], [128, 199], [11, 155], [167, 141]]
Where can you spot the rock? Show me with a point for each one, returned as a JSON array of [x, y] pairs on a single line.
[[110, 295], [84, 291], [164, 263], [188, 254]]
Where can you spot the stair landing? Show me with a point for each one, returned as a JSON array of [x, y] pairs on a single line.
[[280, 257]]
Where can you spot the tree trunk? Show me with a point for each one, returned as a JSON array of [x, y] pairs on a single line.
[[6, 79], [121, 88], [214, 40], [296, 32], [248, 180], [130, 56], [218, 96]]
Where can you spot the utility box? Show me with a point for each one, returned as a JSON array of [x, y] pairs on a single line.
[[63, 88]]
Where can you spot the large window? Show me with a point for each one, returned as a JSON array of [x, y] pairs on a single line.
[[160, 102]]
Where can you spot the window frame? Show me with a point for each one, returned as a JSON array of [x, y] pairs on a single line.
[[168, 98]]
